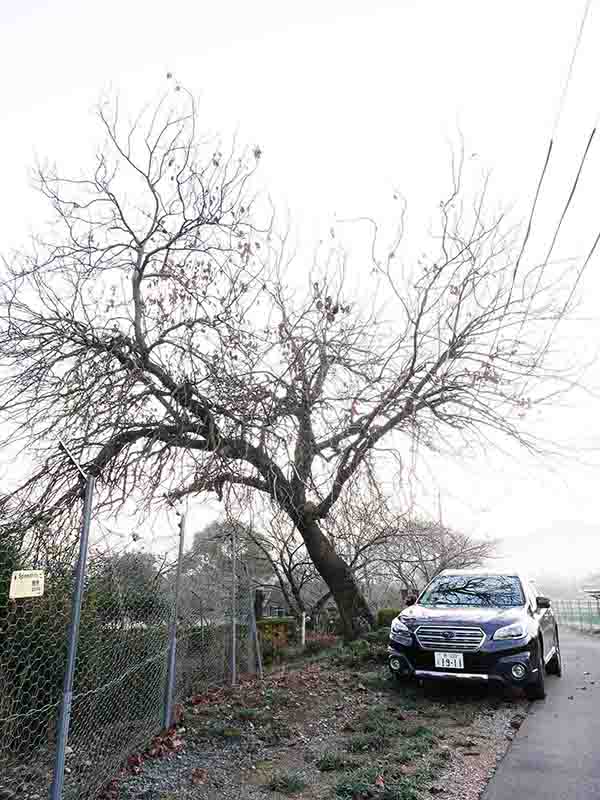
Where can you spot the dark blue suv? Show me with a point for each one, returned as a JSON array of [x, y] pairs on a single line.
[[473, 625]]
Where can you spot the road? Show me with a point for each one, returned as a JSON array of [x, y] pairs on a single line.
[[556, 754]]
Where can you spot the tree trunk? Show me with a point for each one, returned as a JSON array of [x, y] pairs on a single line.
[[337, 574]]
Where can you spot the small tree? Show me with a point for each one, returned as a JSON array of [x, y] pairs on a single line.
[[426, 548], [155, 327]]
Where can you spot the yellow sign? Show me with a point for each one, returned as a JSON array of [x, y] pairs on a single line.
[[26, 583]]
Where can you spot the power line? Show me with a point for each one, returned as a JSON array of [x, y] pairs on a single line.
[[571, 293], [557, 118], [558, 227], [563, 96], [529, 225]]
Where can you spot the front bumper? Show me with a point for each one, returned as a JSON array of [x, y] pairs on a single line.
[[492, 663]]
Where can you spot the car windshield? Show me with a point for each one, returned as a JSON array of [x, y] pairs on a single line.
[[474, 590]]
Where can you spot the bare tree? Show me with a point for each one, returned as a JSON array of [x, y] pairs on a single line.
[[157, 329], [358, 528], [425, 548]]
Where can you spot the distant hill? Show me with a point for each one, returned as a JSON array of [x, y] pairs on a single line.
[[559, 558]]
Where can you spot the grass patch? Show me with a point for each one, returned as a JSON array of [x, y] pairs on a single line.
[[463, 715], [420, 732], [379, 680], [357, 783], [361, 652], [440, 759], [361, 783], [367, 742], [278, 698], [248, 714], [378, 719], [407, 790], [223, 730], [410, 748], [275, 731], [378, 730], [287, 783], [332, 762]]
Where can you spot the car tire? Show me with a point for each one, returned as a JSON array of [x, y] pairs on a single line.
[[537, 689], [554, 666]]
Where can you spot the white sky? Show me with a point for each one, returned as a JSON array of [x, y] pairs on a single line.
[[347, 100]]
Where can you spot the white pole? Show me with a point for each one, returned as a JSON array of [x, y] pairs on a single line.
[[303, 630]]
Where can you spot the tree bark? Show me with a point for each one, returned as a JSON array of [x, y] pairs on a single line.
[[355, 614]]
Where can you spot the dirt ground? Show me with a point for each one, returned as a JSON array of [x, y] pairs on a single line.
[[332, 728]]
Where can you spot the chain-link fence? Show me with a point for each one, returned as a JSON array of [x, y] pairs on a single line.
[[582, 613], [131, 630]]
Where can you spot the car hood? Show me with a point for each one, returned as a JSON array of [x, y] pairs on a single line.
[[497, 617]]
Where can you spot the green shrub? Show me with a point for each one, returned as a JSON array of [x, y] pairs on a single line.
[[356, 653], [379, 636], [385, 616], [317, 642], [361, 652]]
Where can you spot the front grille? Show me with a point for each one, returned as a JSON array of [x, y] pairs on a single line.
[[446, 638]]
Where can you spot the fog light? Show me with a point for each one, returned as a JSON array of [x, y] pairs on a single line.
[[519, 671], [395, 664]]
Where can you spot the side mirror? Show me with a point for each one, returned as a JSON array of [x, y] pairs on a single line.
[[542, 602], [410, 601]]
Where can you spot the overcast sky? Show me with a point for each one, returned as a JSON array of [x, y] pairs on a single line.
[[348, 101]]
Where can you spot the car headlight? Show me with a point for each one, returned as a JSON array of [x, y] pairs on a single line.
[[400, 632], [514, 631]]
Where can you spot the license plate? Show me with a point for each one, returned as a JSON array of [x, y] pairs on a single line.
[[449, 660]]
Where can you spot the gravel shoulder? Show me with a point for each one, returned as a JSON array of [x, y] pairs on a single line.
[[324, 730]]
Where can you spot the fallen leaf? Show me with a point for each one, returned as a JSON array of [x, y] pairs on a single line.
[[199, 776]]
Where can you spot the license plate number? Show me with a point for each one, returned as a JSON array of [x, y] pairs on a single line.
[[449, 660]]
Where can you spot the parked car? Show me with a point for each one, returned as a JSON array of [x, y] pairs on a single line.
[[475, 625]]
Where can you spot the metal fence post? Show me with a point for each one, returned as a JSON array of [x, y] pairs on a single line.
[[233, 608], [172, 662], [73, 638], [256, 640]]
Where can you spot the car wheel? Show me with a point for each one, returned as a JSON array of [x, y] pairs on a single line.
[[537, 689], [554, 666]]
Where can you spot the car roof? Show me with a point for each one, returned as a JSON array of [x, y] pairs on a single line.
[[506, 573]]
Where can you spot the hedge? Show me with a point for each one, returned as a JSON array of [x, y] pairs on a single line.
[[385, 616]]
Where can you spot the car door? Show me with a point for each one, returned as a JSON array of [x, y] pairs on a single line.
[[545, 618]]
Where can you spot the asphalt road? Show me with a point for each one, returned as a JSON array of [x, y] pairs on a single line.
[[556, 753]]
